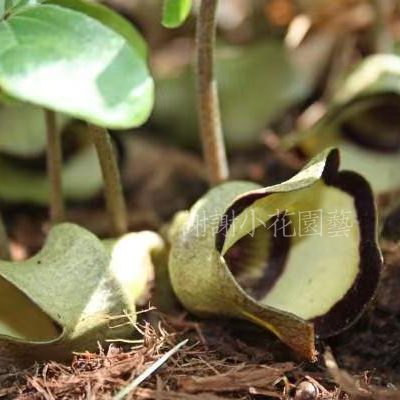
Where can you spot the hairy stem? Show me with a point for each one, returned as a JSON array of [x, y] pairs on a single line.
[[54, 168], [4, 247], [115, 201], [209, 113]]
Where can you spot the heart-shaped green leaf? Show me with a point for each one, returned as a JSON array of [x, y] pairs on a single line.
[[68, 61], [292, 278], [175, 12], [72, 294], [363, 121]]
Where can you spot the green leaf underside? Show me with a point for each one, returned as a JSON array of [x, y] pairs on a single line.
[[318, 271], [71, 294], [175, 12], [69, 62], [372, 87], [81, 178]]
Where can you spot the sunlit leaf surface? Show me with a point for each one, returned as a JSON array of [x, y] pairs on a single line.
[[72, 294], [67, 61]]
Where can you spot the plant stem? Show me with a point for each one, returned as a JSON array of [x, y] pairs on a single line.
[[54, 168], [209, 113], [4, 247], [115, 201], [383, 40]]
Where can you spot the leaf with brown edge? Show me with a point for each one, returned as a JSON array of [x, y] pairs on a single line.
[[298, 287], [73, 294], [362, 121]]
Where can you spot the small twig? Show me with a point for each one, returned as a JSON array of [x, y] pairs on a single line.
[[54, 168], [209, 113], [115, 201], [4, 245], [136, 382], [356, 390]]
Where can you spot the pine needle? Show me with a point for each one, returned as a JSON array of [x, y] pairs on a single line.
[[137, 381]]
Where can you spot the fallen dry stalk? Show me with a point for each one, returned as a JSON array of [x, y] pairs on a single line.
[[356, 389]]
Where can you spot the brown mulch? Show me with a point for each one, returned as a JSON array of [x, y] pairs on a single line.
[[199, 371]]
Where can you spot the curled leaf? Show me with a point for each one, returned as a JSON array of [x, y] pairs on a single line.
[[279, 256], [72, 294], [362, 120], [132, 259]]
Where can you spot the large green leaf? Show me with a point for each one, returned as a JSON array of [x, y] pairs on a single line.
[[175, 12], [73, 293], [235, 255], [67, 61]]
